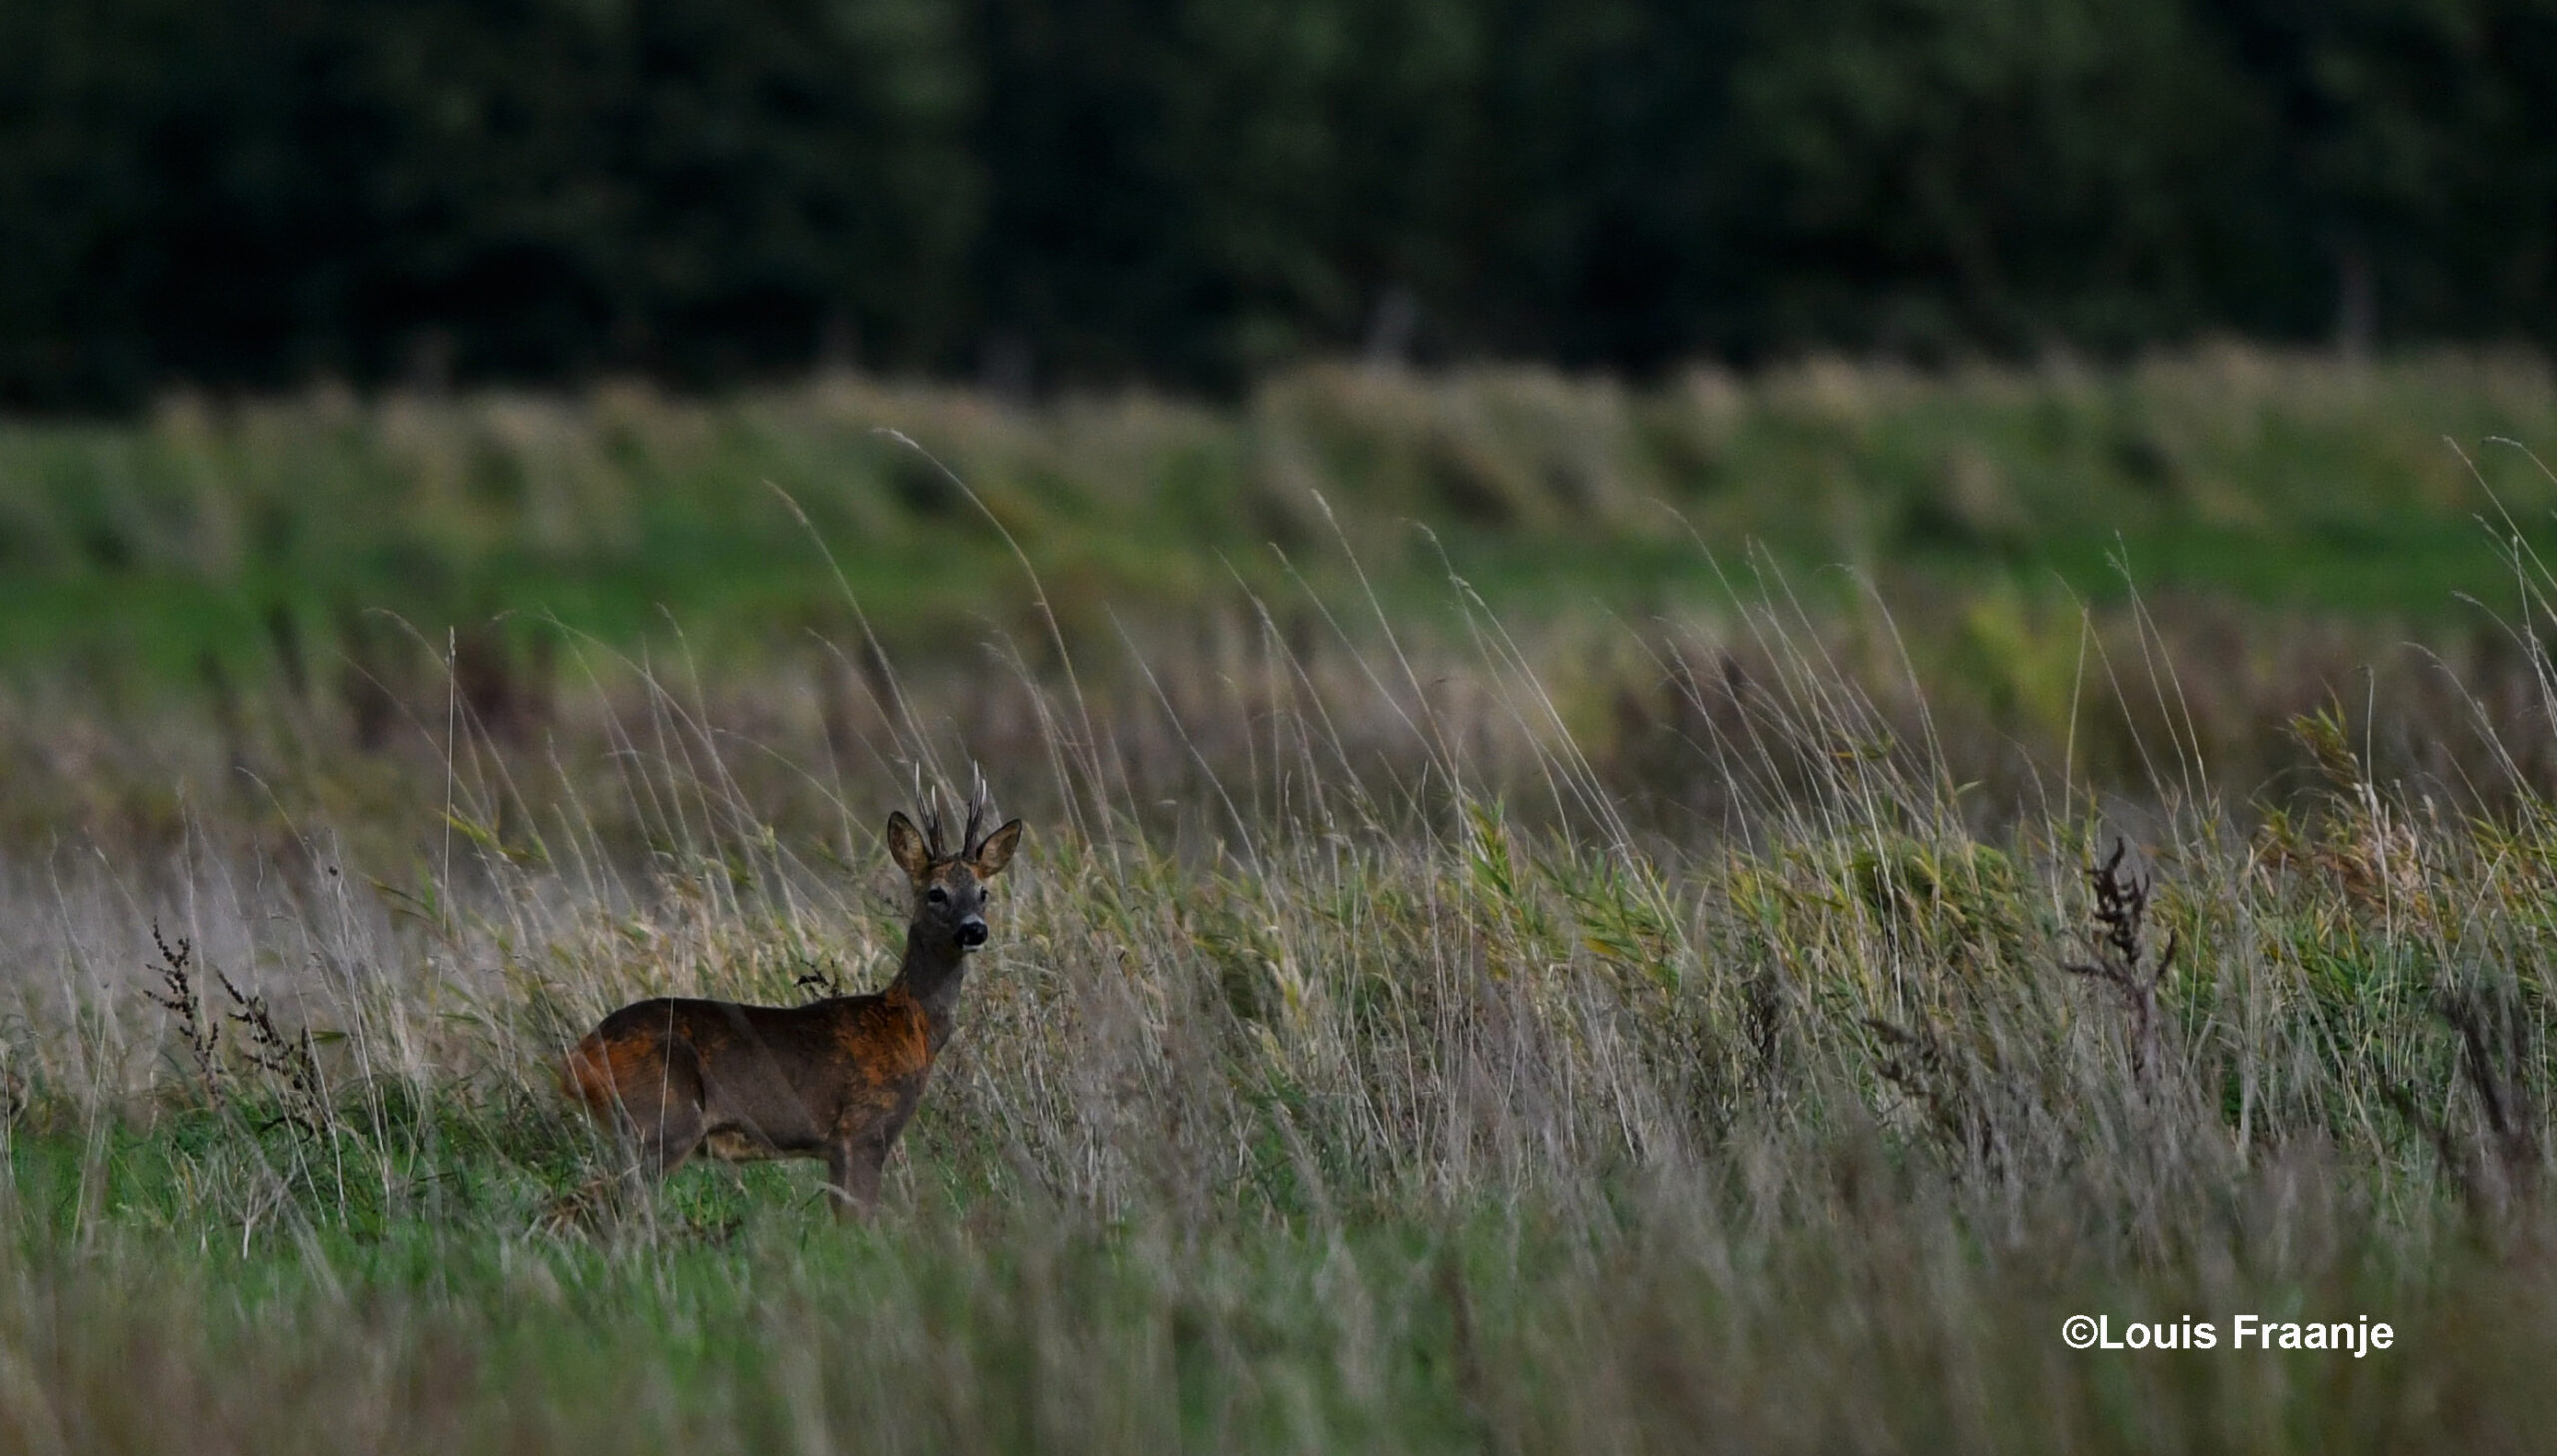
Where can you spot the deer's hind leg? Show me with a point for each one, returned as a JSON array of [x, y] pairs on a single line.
[[682, 1114], [656, 1102]]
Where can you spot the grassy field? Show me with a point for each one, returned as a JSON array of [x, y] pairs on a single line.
[[2278, 479], [1572, 979]]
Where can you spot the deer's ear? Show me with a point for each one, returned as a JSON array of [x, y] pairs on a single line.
[[996, 852], [906, 847]]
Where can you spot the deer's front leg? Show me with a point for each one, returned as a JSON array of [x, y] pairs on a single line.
[[852, 1173]]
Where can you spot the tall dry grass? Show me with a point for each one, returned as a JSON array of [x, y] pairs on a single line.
[[1370, 1053]]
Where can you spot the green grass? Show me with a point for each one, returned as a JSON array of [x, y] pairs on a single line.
[[749, 1323], [2272, 479]]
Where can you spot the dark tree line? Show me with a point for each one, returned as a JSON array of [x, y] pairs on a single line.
[[262, 192]]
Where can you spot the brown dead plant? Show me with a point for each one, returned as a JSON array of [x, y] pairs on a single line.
[[2120, 958], [179, 995]]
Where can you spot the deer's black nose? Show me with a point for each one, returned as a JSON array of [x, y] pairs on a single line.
[[972, 932]]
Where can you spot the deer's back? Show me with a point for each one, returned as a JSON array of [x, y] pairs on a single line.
[[773, 1079]]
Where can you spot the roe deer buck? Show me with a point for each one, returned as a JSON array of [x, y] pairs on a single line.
[[833, 1079]]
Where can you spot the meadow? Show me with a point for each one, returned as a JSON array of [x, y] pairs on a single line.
[[1556, 915]]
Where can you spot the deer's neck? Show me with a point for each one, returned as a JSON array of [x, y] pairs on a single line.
[[931, 974]]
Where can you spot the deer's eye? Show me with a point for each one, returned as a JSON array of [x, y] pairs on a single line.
[[935, 895]]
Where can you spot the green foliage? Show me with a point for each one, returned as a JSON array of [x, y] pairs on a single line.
[[268, 192], [1197, 190], [2009, 173]]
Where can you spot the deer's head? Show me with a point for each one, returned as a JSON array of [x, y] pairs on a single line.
[[950, 882]]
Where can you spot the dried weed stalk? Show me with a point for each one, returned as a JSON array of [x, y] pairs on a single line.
[[289, 1059], [821, 978], [2121, 959], [179, 995]]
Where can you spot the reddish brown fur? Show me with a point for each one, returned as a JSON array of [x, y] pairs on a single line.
[[833, 1079]]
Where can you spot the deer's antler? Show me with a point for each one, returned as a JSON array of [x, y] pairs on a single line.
[[980, 807], [969, 844]]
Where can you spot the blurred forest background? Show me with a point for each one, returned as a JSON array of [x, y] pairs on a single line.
[[1033, 193]]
